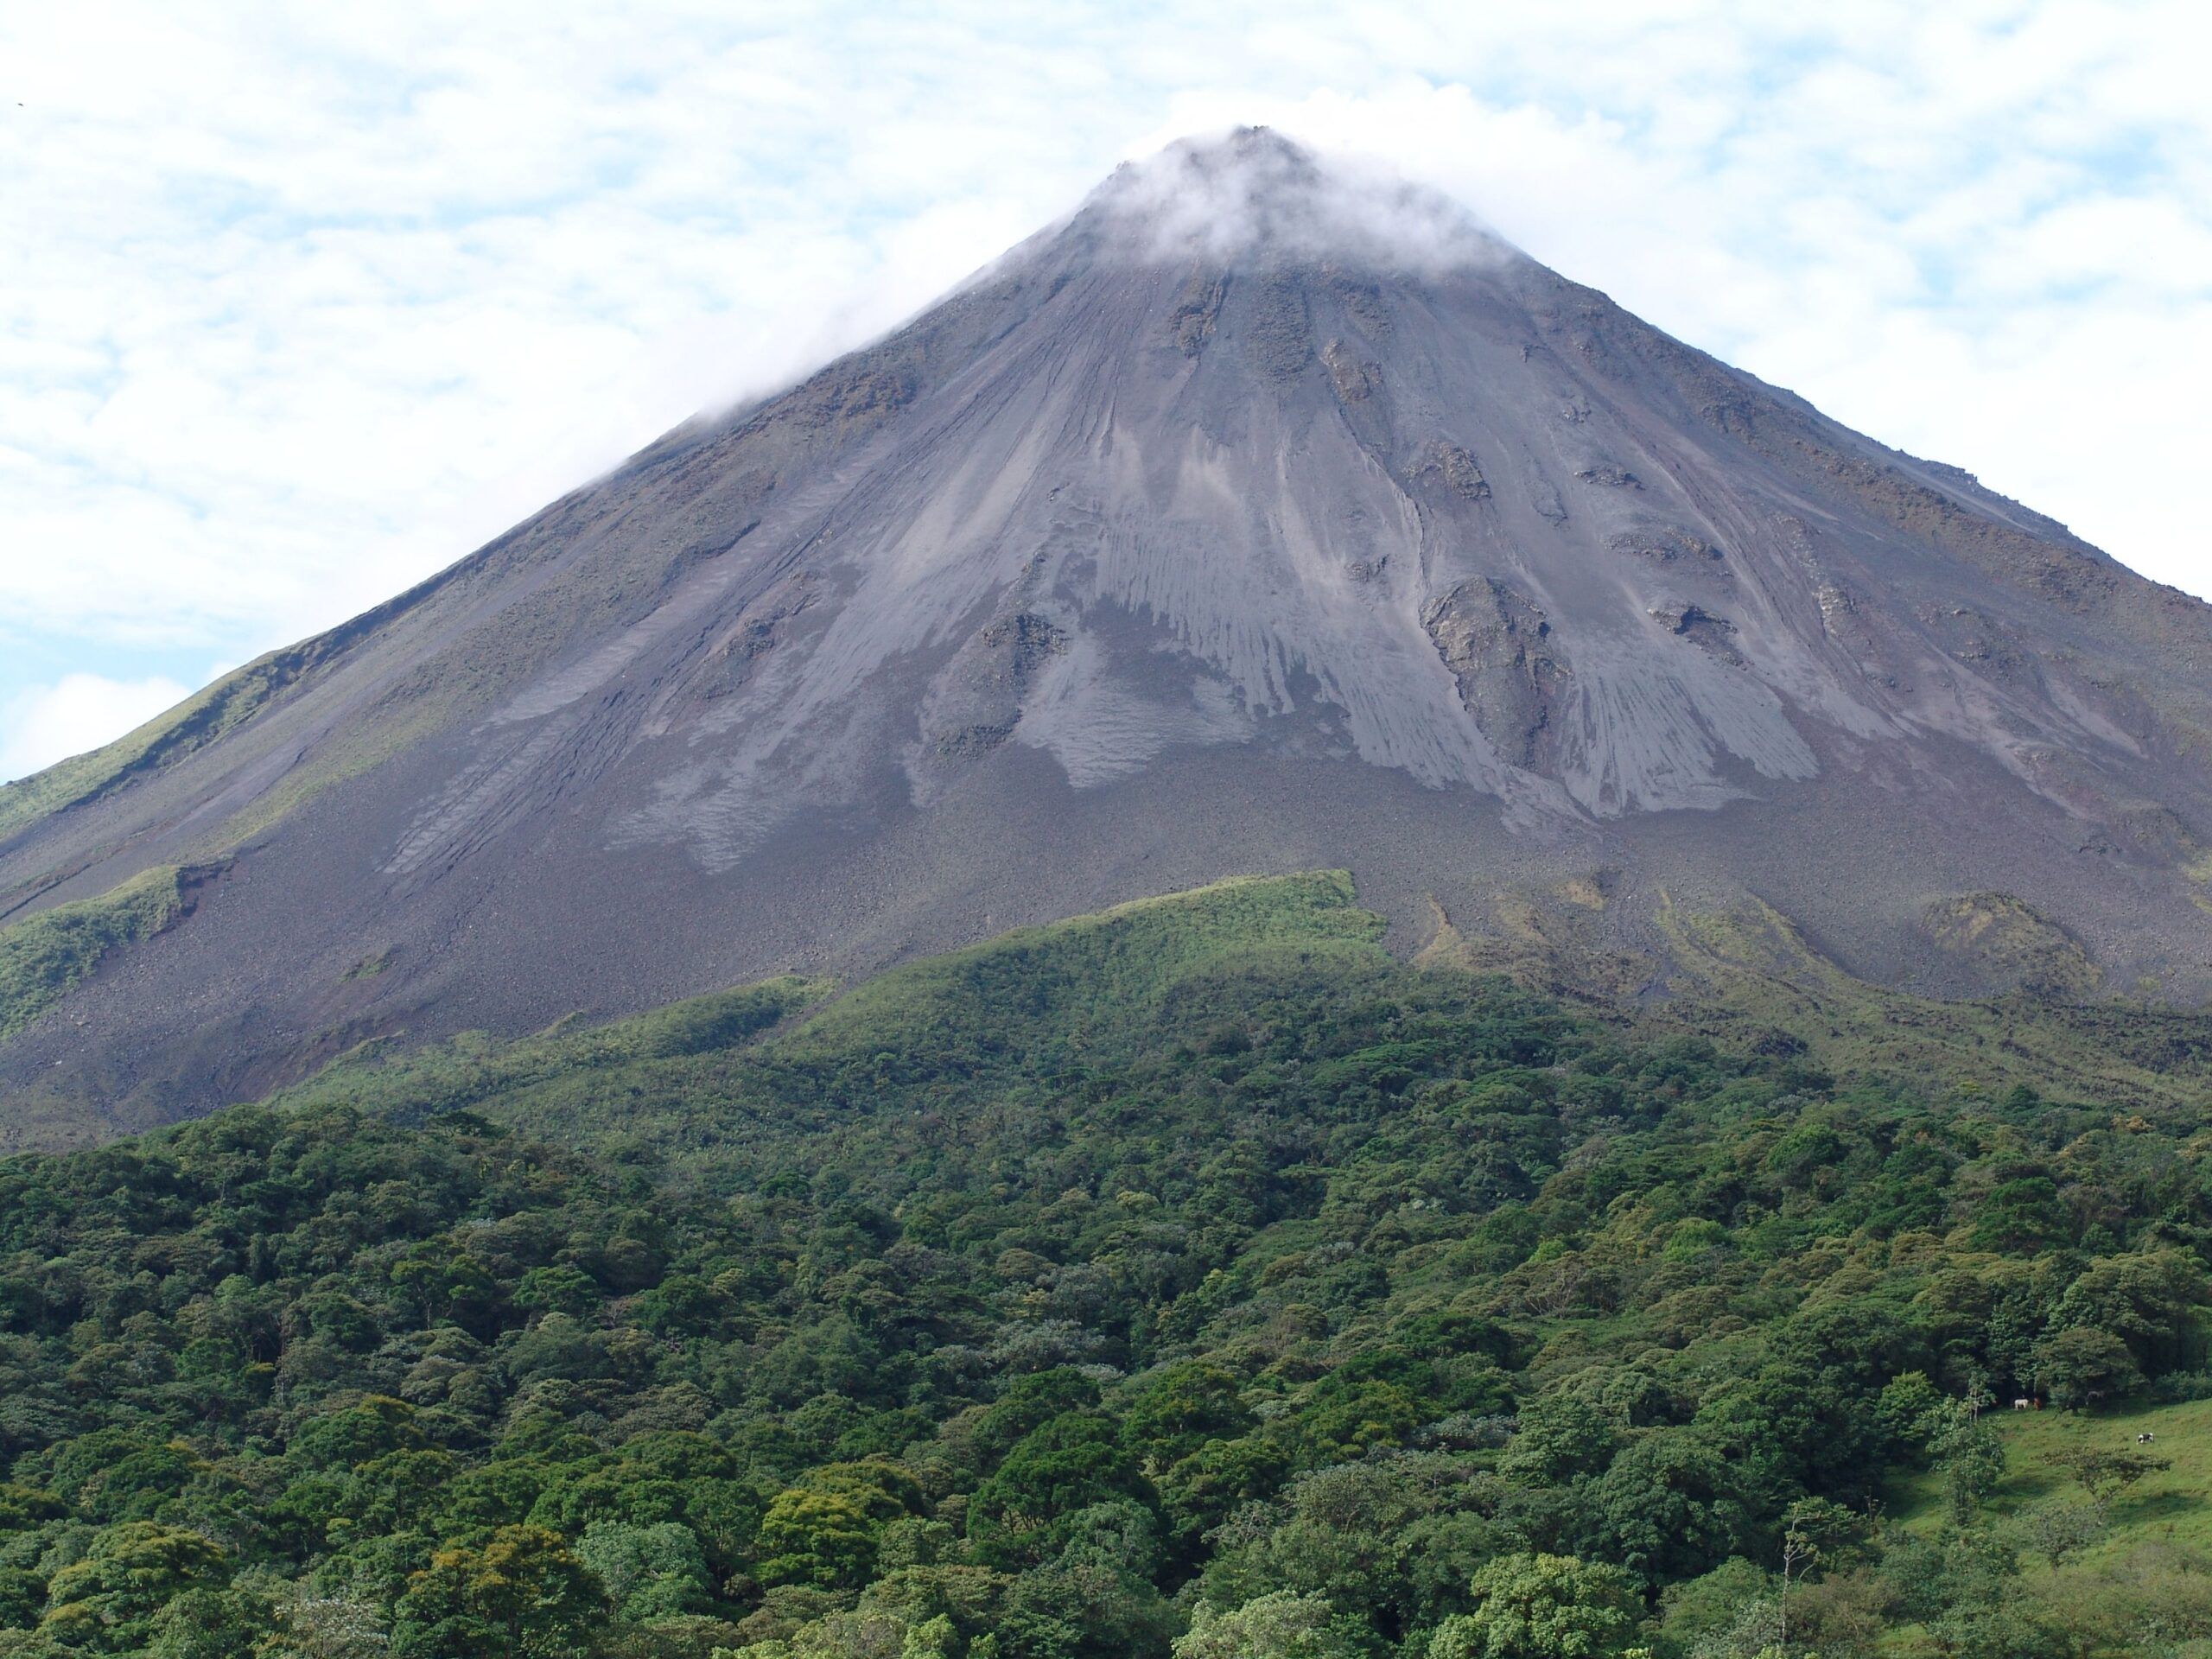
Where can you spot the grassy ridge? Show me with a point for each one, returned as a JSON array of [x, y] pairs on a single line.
[[207, 714], [997, 1017], [1075, 981], [564, 1076]]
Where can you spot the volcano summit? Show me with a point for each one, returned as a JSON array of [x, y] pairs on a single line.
[[1259, 517]]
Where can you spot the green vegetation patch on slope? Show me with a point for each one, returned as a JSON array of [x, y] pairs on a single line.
[[2105, 1518], [556, 1074], [2013, 945], [197, 721], [1748, 976], [42, 956], [1745, 976]]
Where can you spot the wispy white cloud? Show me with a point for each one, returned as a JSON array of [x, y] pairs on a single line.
[[299, 304], [41, 724]]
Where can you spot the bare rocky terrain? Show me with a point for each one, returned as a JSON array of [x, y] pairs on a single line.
[[1259, 517]]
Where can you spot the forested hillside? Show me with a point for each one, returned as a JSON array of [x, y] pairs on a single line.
[[1194, 1278]]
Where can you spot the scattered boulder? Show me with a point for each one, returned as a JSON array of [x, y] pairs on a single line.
[[1355, 380], [1611, 477], [976, 702], [1190, 325], [1499, 647], [1454, 468], [1715, 635], [1665, 544]]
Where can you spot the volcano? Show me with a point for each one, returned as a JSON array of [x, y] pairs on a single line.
[[1263, 515]]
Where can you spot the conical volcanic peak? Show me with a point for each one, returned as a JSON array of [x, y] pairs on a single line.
[[1253, 197], [1257, 517]]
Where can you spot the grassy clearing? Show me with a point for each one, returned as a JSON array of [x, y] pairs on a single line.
[[2170, 1509]]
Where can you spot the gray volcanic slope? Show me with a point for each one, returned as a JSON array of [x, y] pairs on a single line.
[[1259, 517]]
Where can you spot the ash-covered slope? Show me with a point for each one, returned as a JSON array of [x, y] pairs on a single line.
[[1261, 516]]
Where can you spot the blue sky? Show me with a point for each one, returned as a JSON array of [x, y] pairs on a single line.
[[299, 303]]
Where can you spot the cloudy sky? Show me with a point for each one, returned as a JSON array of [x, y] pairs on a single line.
[[298, 304]]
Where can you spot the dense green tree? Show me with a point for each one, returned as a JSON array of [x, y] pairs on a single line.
[[2149, 1299], [209, 1624], [1666, 1508], [826, 1539], [1560, 1438], [824, 1531], [1280, 1625], [518, 1593], [1180, 1410], [1910, 1414], [2058, 1530], [647, 1573], [2085, 1365], [1967, 1451], [1019, 1515], [1540, 1607], [1198, 1491], [107, 1600], [2021, 1215]]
